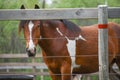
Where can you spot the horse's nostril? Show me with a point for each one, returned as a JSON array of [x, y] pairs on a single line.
[[26, 49], [31, 52]]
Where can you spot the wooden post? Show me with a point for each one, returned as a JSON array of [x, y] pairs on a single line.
[[103, 42], [42, 76], [34, 68]]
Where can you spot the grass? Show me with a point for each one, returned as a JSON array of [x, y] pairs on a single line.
[[92, 77], [44, 78]]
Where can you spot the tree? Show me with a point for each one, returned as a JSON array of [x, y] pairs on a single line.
[[83, 3]]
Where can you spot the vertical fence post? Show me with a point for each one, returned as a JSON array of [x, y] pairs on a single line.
[[103, 42], [34, 68]]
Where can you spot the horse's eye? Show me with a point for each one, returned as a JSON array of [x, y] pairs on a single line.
[[38, 25]]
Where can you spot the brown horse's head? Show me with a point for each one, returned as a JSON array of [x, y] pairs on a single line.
[[31, 33]]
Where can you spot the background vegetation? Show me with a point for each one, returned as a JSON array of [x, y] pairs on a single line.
[[11, 42]]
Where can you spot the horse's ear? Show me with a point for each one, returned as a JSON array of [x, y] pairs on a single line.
[[37, 7], [22, 7]]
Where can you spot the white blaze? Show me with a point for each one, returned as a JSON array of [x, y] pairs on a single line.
[[31, 44]]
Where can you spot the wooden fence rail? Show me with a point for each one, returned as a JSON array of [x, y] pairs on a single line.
[[72, 13], [18, 55], [22, 68]]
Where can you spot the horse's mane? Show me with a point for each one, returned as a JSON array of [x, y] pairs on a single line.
[[71, 26], [22, 23], [72, 29]]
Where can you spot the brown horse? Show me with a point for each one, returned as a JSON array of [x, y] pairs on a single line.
[[66, 48]]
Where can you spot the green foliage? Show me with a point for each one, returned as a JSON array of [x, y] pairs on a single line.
[[84, 3], [15, 4], [45, 78]]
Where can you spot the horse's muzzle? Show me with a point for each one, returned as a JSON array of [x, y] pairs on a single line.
[[31, 52]]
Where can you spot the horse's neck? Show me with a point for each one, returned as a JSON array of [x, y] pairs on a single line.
[[48, 35], [51, 37], [50, 28]]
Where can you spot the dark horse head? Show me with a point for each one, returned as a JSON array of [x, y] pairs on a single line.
[[31, 34]]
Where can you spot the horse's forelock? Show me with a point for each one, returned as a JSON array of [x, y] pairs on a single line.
[[21, 25]]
